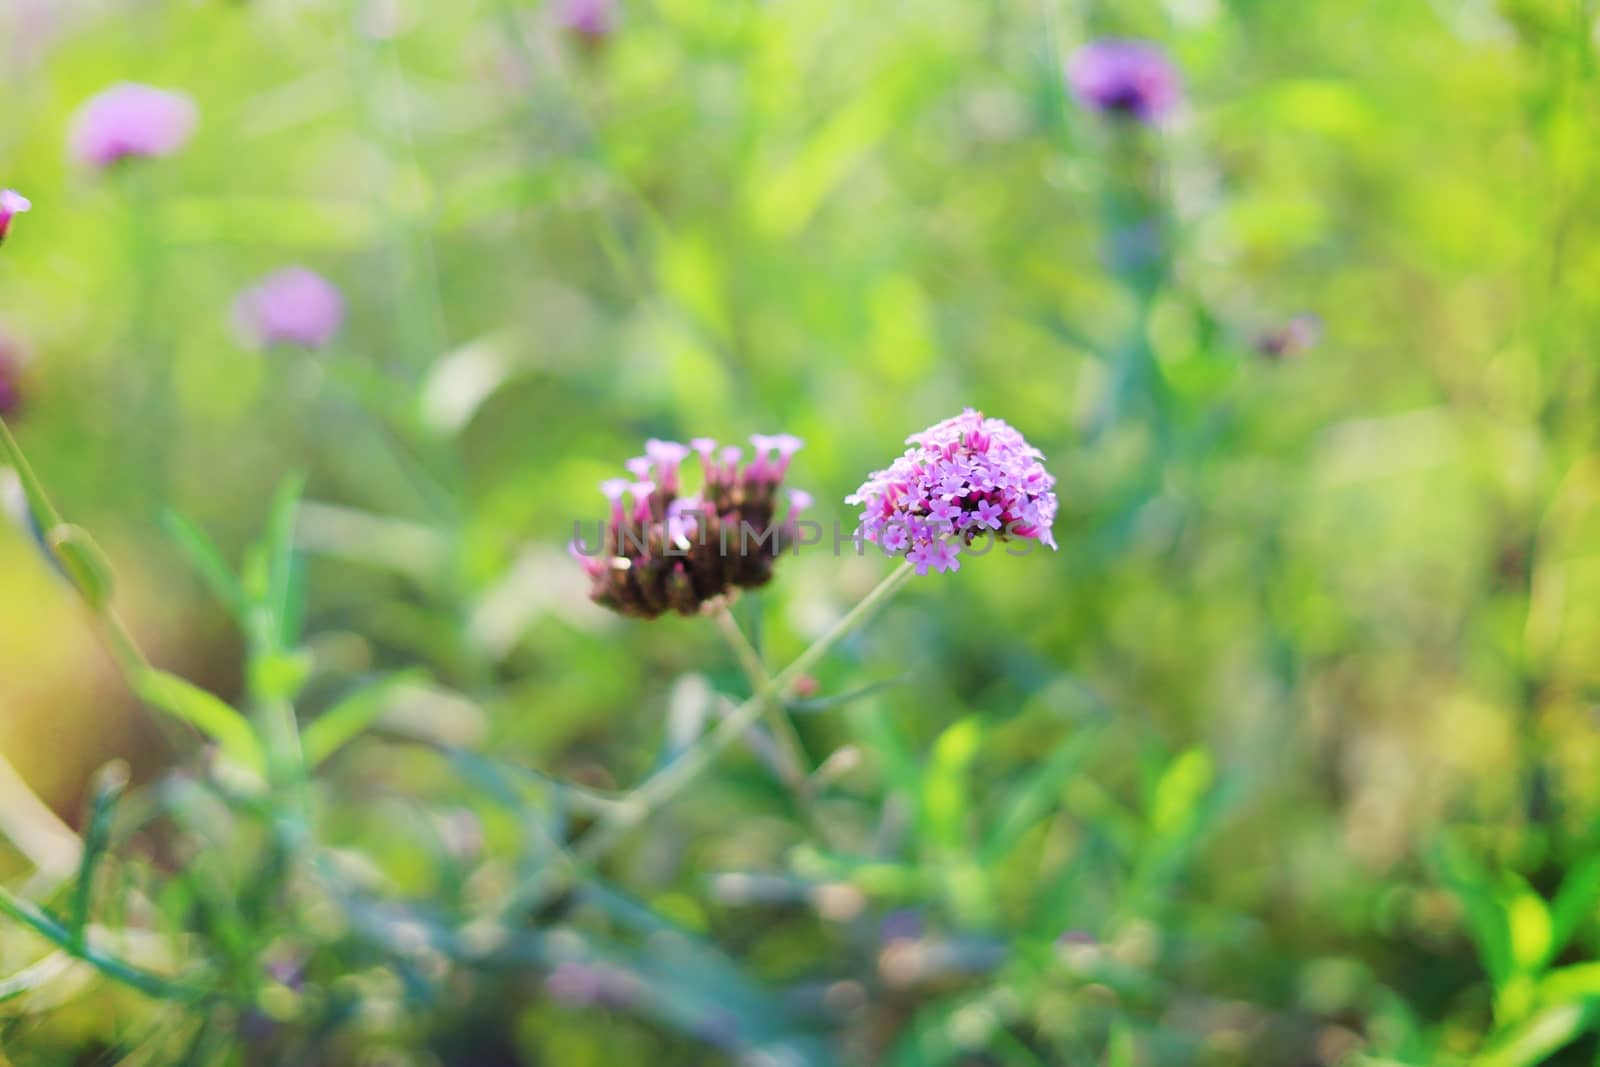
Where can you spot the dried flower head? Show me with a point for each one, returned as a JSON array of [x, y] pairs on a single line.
[[664, 550], [12, 204], [966, 478], [130, 120], [293, 306], [1134, 79]]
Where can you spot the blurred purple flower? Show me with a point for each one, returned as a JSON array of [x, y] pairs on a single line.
[[902, 924], [1295, 337], [590, 19], [292, 306], [958, 478], [580, 985], [129, 120], [12, 204], [1130, 78], [12, 357]]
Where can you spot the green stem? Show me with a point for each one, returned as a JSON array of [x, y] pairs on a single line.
[[792, 753], [671, 779], [119, 642], [46, 925], [32, 488]]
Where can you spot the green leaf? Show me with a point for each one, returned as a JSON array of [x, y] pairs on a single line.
[[284, 593], [207, 561], [280, 676], [33, 977], [108, 788], [1177, 795], [872, 727], [1529, 928], [1039, 793], [945, 802], [353, 715], [1581, 981], [1119, 1046], [811, 705], [86, 565], [211, 716], [1471, 885], [1535, 1040], [1575, 902]]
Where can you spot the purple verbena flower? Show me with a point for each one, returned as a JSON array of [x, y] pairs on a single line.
[[987, 515], [934, 555], [784, 446], [129, 120], [915, 508], [592, 20], [945, 555], [12, 204], [953, 486], [678, 551], [292, 306], [944, 512], [1123, 77], [666, 457]]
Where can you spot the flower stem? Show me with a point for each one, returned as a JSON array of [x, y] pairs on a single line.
[[118, 641], [38, 500], [795, 767], [666, 783], [53, 930]]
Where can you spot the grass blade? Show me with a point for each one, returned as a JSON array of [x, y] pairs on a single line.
[[189, 703]]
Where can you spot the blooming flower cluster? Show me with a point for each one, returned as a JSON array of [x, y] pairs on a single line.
[[965, 478], [664, 550], [292, 306], [129, 121], [12, 204], [1129, 78]]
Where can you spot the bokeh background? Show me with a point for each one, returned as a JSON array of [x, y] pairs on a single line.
[[1288, 756]]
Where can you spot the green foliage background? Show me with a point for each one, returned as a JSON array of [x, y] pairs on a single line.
[[1294, 739]]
